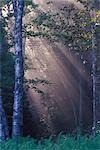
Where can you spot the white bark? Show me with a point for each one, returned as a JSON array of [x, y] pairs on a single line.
[[18, 6]]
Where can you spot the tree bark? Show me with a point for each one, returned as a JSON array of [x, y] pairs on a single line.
[[96, 69], [97, 103], [80, 102], [4, 133], [18, 6], [97, 38]]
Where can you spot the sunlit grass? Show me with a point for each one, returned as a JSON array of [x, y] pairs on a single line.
[[62, 143]]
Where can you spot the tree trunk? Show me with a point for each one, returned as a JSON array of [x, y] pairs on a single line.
[[96, 70], [81, 102], [97, 103], [97, 38], [94, 78], [4, 133], [18, 6]]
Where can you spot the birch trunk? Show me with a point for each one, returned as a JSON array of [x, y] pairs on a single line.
[[17, 125]]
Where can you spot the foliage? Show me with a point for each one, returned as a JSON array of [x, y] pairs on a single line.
[[29, 6], [33, 83], [72, 26], [61, 143], [98, 16], [4, 2], [30, 3]]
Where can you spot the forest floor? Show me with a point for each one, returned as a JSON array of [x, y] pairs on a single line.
[[62, 143]]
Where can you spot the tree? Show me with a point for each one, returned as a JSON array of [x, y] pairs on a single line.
[[4, 133], [18, 6], [96, 68]]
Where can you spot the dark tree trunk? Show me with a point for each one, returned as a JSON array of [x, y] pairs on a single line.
[[94, 79], [4, 133], [96, 70], [80, 102], [18, 6], [97, 86], [97, 37]]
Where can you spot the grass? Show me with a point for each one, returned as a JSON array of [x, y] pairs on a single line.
[[62, 143]]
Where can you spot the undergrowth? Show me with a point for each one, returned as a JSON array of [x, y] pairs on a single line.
[[62, 143]]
